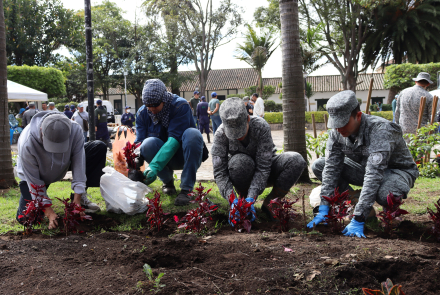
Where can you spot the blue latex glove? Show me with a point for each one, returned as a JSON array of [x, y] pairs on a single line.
[[320, 217], [150, 176], [354, 228], [252, 209]]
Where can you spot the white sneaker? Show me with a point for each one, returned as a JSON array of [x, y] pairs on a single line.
[[88, 205]]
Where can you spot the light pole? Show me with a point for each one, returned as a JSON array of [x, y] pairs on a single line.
[[125, 82]]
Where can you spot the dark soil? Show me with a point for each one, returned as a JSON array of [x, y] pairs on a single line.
[[222, 262]]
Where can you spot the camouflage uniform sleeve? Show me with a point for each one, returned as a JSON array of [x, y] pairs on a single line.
[[220, 161], [381, 146], [263, 162], [397, 113], [334, 163]]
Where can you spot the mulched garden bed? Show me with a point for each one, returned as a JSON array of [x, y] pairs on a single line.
[[221, 262]]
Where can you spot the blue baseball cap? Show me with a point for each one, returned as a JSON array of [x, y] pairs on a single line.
[[99, 102], [66, 106], [72, 107], [127, 107], [213, 94], [203, 98], [196, 92]]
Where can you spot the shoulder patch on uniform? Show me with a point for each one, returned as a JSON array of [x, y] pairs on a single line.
[[376, 158]]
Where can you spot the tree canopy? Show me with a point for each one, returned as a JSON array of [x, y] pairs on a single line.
[[35, 29]]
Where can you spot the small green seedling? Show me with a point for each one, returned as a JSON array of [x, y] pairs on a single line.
[[155, 282]]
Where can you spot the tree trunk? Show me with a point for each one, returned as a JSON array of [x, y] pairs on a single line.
[[293, 83], [260, 83], [174, 73], [392, 94], [6, 171], [203, 79]]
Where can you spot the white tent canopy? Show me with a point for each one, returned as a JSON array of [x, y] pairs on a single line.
[[18, 93]]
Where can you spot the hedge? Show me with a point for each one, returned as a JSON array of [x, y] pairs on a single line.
[[277, 118], [47, 80], [60, 106], [400, 76]]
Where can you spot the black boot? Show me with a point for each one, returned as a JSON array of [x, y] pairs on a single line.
[[169, 188], [209, 140], [275, 193], [182, 198]]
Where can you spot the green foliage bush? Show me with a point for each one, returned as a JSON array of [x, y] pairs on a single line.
[[271, 106], [385, 115], [60, 106], [400, 76], [387, 107], [274, 118], [277, 118], [47, 80], [268, 90]]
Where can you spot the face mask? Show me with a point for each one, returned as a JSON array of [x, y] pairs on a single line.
[[128, 110]]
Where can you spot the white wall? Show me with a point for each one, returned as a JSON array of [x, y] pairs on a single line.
[[359, 94], [131, 101]]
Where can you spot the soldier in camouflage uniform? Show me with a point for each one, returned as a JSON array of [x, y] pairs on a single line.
[[244, 156], [408, 104], [363, 150]]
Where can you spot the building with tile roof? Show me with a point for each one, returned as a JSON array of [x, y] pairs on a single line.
[[233, 81]]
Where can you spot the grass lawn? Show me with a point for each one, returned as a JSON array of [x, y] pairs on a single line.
[[424, 194]]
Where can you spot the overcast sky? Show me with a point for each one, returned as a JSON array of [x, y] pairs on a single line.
[[223, 57]]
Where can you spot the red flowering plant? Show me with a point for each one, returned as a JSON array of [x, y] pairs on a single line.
[[282, 210], [155, 213], [34, 212], [242, 212], [340, 206], [195, 219], [134, 172], [435, 217], [389, 217], [72, 215]]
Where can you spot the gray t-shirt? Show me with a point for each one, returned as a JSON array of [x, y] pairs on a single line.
[[80, 117], [212, 106]]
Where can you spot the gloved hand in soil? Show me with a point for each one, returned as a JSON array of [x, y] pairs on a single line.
[[150, 176], [236, 213], [320, 217], [354, 228]]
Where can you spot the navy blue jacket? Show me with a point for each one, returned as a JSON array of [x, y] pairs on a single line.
[[125, 119], [180, 120]]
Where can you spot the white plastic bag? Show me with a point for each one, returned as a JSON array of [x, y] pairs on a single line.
[[122, 195], [315, 198]]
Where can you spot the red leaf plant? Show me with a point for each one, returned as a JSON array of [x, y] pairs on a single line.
[[391, 213], [155, 213], [240, 216], [72, 215], [435, 216], [340, 206], [133, 172], [282, 210], [196, 218], [34, 212]]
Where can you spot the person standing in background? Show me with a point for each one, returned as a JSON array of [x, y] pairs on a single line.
[[249, 107], [101, 124], [52, 107], [44, 106], [393, 105], [259, 105], [408, 104], [27, 116], [202, 116], [127, 119], [82, 117], [193, 104], [213, 111], [67, 111]]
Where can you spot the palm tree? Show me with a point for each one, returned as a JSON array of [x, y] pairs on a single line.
[[256, 51], [293, 82], [6, 174]]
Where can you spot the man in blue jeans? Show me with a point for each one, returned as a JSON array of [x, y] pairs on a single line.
[[214, 112], [170, 141]]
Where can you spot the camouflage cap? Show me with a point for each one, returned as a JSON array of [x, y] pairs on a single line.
[[234, 117], [339, 108]]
